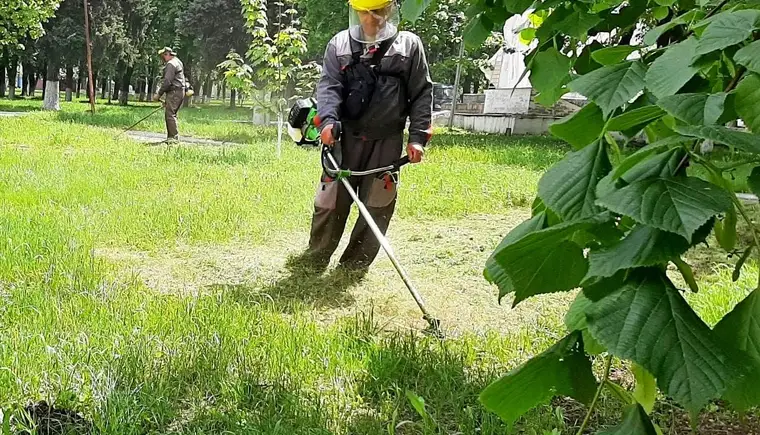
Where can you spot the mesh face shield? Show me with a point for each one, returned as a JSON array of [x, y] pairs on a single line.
[[376, 25]]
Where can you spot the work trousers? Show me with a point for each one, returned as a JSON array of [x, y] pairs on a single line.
[[332, 204], [174, 100]]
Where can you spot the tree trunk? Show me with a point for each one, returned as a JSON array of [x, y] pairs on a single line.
[[116, 87], [33, 77], [51, 100], [25, 71], [233, 100], [94, 85], [80, 79], [224, 91], [125, 82], [104, 87], [151, 84], [69, 82], [209, 88], [12, 76], [189, 77], [2, 81], [141, 84]]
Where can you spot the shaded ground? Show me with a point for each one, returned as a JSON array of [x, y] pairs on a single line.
[[159, 138], [444, 258]]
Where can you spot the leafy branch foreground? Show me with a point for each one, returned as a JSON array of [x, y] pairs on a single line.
[[612, 225]]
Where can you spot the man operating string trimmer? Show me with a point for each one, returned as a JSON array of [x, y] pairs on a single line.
[[373, 78], [175, 88]]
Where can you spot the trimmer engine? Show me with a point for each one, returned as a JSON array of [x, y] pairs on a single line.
[[302, 122]]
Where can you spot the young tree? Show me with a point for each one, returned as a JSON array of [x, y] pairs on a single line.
[[61, 46], [679, 71]]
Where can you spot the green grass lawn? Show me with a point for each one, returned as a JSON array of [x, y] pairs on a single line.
[[147, 287]]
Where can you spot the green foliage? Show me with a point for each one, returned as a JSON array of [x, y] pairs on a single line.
[[613, 225], [21, 18], [581, 128], [739, 330], [635, 422], [237, 74], [646, 388], [276, 54], [563, 369], [645, 319]]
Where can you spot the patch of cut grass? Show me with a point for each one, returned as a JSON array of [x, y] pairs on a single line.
[[80, 333]]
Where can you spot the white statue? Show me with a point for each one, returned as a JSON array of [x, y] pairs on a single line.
[[510, 60]]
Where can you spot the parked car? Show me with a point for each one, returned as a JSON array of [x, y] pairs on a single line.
[[443, 95]]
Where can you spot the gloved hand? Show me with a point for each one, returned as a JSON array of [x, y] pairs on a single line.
[[415, 152], [156, 97], [327, 135]]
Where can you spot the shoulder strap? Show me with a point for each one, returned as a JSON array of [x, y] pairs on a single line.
[[357, 49], [384, 47]]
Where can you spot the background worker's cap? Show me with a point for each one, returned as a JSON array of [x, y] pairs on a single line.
[[167, 50]]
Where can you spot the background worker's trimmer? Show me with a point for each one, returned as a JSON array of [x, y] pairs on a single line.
[[301, 119], [142, 119]]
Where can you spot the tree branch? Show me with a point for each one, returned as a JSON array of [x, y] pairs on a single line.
[[717, 8], [607, 367]]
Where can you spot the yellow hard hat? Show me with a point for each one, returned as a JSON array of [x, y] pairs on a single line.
[[369, 5]]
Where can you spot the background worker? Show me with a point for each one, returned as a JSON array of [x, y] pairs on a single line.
[[174, 88], [373, 78]]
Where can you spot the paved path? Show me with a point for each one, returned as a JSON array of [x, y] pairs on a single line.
[[157, 138], [12, 114]]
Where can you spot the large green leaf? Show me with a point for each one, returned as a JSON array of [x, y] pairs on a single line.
[[643, 246], [561, 370], [585, 63], [412, 9], [569, 187], [477, 30], [611, 86], [545, 261], [646, 388], [578, 23], [753, 181], [728, 29], [671, 71], [646, 152], [612, 55], [580, 128], [635, 118], [737, 139], [747, 102], [635, 422], [517, 6], [740, 331], [549, 71], [749, 57], [648, 321], [548, 28], [575, 320], [666, 164], [494, 272], [679, 205], [653, 35], [696, 109]]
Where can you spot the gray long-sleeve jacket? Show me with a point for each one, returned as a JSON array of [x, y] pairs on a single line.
[[403, 90], [174, 76]]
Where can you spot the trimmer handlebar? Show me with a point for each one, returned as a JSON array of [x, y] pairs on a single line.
[[331, 168]]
